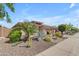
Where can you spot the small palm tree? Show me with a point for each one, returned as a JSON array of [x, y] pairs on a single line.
[[4, 13]]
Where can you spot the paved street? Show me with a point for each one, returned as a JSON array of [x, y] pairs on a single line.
[[68, 47]]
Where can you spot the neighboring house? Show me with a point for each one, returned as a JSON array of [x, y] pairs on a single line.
[[46, 28], [4, 31], [37, 24]]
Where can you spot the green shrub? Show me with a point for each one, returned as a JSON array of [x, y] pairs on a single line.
[[73, 31], [62, 28], [15, 36], [48, 38], [58, 34]]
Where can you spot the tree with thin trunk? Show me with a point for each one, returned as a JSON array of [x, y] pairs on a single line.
[[28, 28]]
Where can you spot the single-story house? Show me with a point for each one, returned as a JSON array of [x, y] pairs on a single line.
[[40, 25]]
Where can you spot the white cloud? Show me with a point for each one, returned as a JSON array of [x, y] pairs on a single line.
[[72, 5]]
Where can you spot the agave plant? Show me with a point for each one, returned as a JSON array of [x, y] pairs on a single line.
[[4, 13]]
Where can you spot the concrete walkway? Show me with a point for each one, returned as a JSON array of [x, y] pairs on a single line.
[[68, 47]]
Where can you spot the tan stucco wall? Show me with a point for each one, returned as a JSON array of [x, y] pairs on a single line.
[[4, 32]]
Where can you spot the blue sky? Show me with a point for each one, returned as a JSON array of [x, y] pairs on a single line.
[[51, 14]]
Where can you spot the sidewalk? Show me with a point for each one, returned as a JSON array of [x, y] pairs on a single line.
[[68, 47]]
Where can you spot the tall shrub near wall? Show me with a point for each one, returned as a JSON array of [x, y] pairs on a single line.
[[15, 36]]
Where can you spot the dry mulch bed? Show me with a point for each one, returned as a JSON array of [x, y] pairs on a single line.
[[6, 49]]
